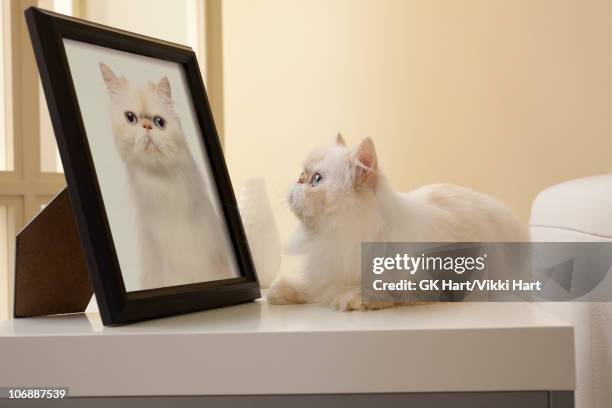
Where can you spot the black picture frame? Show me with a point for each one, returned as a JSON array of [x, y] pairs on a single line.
[[116, 305]]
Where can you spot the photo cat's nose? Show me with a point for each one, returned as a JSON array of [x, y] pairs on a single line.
[[147, 125]]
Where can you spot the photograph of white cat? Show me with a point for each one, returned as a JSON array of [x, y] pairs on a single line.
[[180, 236], [342, 199]]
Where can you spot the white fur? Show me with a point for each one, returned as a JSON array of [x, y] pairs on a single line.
[[181, 239], [354, 203]]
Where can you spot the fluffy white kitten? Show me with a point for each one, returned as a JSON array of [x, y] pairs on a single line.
[[181, 239], [342, 199]]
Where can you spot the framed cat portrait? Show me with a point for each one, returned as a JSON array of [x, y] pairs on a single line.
[[148, 183]]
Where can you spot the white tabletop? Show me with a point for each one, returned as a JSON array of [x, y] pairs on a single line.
[[256, 348]]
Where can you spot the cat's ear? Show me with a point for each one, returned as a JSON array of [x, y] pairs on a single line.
[[113, 82], [163, 87], [365, 164], [340, 140]]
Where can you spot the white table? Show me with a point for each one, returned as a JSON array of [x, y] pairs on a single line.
[[258, 349]]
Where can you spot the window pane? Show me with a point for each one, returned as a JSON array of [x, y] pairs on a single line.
[[2, 97], [7, 249], [6, 141]]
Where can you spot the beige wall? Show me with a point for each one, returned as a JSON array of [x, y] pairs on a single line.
[[506, 97], [164, 19]]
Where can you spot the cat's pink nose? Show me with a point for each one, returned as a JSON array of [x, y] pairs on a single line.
[[147, 126]]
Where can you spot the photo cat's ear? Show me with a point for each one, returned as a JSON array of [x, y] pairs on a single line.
[[365, 164], [112, 81], [340, 140], [163, 87]]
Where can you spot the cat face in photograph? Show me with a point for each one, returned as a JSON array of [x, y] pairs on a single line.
[[146, 127], [333, 180]]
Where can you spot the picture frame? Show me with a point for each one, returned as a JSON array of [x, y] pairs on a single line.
[[51, 34]]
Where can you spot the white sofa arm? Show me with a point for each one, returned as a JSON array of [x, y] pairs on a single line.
[[576, 211], [582, 208]]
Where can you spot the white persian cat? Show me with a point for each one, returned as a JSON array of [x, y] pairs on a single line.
[[342, 199], [181, 239]]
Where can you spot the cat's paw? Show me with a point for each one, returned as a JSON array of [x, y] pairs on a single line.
[[351, 300], [282, 292], [348, 300]]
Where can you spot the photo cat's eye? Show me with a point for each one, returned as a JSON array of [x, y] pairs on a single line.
[[316, 178], [159, 122], [131, 117]]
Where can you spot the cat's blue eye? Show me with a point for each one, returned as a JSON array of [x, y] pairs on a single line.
[[131, 117], [159, 122], [316, 178]]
